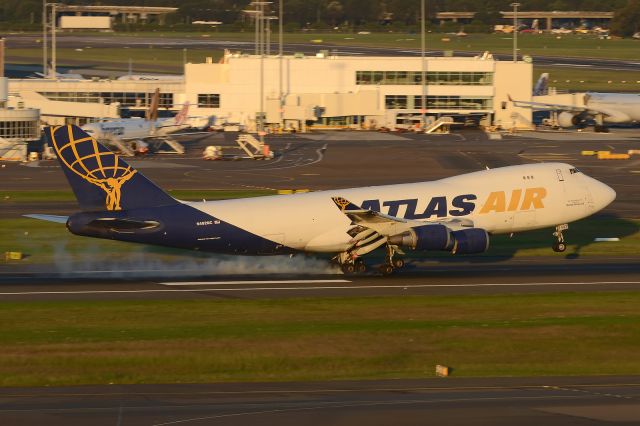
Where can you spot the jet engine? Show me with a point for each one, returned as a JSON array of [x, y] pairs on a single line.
[[567, 119], [427, 237], [439, 237], [470, 241]]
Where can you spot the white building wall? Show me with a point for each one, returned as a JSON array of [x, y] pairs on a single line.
[[515, 80], [333, 80]]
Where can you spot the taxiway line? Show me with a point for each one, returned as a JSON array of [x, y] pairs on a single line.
[[345, 287], [188, 283]]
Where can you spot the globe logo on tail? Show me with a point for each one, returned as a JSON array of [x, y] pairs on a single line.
[[95, 164]]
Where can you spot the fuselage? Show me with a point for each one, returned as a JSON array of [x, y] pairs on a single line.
[[133, 128], [502, 200], [620, 107]]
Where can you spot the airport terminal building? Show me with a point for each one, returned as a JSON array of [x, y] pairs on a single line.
[[298, 91]]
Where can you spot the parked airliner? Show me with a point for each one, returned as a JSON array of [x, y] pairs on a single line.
[[456, 214], [138, 128], [601, 108]]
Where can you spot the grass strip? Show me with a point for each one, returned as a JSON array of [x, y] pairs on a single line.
[[117, 58], [97, 342], [561, 46], [587, 80]]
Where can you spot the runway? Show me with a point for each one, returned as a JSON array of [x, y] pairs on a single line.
[[452, 401], [519, 276], [197, 43]]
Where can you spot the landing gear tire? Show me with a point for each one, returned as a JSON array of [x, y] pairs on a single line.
[[398, 263], [361, 267], [349, 268], [386, 269], [559, 247], [600, 129]]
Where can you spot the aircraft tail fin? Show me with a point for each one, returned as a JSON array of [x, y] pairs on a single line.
[[100, 179], [542, 85], [152, 111], [181, 117]]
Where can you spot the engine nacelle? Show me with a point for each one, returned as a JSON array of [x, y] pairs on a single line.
[[427, 237], [567, 119], [470, 241], [439, 237]]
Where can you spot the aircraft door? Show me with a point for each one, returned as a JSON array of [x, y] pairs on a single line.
[[561, 184]]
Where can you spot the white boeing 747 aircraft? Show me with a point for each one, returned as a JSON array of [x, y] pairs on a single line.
[[602, 108], [456, 214]]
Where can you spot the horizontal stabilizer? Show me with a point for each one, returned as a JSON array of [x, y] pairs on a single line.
[[48, 217]]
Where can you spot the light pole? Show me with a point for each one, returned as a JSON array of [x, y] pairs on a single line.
[[49, 23], [280, 52], [53, 40], [268, 20], [515, 31], [259, 13], [423, 82], [45, 40]]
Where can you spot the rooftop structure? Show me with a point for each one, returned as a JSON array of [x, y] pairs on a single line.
[[547, 16], [130, 14]]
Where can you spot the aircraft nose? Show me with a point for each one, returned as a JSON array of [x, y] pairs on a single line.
[[602, 194]]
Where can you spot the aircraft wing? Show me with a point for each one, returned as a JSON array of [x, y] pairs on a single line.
[[48, 217], [372, 223], [361, 216], [543, 106]]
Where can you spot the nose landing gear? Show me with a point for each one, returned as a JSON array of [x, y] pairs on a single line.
[[559, 246]]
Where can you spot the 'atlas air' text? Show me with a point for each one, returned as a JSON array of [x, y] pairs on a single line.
[[462, 205]]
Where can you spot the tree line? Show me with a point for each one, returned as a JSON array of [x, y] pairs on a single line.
[[341, 14]]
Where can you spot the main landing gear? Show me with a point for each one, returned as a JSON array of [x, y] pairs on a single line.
[[392, 263], [559, 246], [350, 264], [355, 265]]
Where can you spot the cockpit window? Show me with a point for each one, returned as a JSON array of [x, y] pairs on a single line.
[[574, 171]]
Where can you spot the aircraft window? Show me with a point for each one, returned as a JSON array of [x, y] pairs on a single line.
[[574, 170]]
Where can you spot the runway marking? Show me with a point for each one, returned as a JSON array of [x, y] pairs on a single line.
[[572, 65], [186, 283], [362, 404], [323, 405], [346, 287], [325, 390]]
